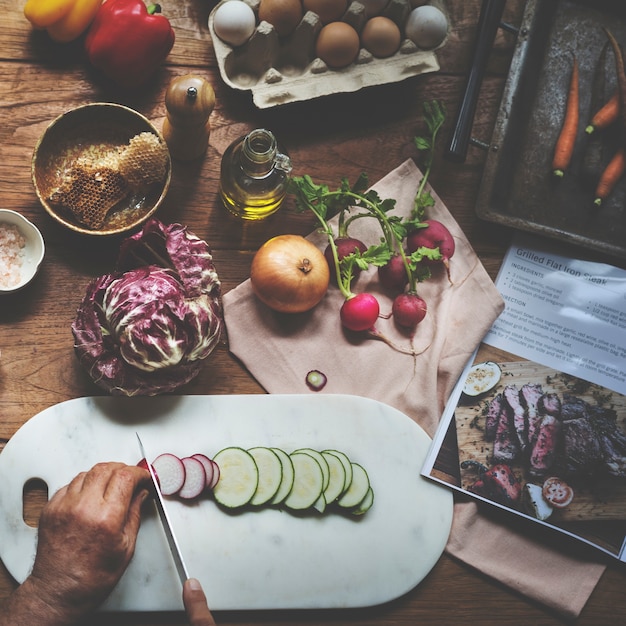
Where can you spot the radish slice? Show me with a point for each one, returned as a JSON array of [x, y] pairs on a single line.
[[216, 474], [171, 472], [208, 467], [144, 465], [195, 479]]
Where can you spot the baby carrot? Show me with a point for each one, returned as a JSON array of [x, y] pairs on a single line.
[[567, 137], [605, 115], [611, 176]]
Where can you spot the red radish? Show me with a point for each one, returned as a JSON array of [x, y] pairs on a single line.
[[393, 275], [144, 465], [345, 247], [360, 312], [435, 235], [316, 380], [408, 310], [195, 479], [216, 474], [171, 471], [208, 467]]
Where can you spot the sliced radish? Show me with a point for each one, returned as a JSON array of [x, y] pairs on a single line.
[[144, 465], [208, 467], [171, 472], [216, 474], [195, 479]]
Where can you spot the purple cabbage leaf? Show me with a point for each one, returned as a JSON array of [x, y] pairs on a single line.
[[146, 328]]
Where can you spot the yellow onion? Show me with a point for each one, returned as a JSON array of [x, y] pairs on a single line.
[[289, 274]]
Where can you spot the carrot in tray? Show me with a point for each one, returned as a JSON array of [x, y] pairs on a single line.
[[567, 137], [621, 84], [605, 115], [611, 176]]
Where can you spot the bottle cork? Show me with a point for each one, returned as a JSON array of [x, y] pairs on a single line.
[[189, 101]]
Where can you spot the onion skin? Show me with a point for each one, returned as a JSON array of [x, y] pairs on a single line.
[[289, 274]]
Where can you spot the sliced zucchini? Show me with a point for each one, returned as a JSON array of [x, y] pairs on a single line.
[[337, 482], [365, 504], [347, 465], [357, 489], [319, 457], [308, 483], [239, 477], [320, 504], [270, 474], [286, 482]]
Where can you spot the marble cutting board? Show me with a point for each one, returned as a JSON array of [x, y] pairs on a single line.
[[262, 559]]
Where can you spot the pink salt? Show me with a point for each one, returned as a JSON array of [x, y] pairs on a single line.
[[12, 244]]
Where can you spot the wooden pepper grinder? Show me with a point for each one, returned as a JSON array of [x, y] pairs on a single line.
[[189, 101]]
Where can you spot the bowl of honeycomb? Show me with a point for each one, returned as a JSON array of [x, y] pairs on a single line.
[[101, 169]]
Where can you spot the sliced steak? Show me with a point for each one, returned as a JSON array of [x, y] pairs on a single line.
[[512, 396], [496, 406], [550, 404], [545, 448], [505, 446]]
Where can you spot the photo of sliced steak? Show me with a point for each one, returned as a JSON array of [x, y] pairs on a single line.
[[505, 445], [545, 448], [492, 418], [550, 404], [581, 453], [611, 438], [512, 396]]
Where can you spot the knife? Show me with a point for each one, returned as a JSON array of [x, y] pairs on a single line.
[[181, 568]]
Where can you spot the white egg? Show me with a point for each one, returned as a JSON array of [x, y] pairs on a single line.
[[426, 27], [234, 22]]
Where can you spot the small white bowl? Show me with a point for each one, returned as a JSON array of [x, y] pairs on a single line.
[[33, 250]]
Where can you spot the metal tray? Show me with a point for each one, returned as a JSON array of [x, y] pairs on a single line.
[[518, 188]]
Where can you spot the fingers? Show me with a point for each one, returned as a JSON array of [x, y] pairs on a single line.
[[196, 605]]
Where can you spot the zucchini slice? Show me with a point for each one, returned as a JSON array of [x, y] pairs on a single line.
[[357, 489], [239, 477], [337, 483], [347, 466], [308, 484], [319, 457], [365, 504], [286, 482], [270, 474]]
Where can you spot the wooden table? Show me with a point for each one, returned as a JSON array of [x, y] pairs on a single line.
[[329, 138]]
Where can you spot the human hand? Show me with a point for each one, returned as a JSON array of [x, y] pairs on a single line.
[[196, 604], [87, 535]]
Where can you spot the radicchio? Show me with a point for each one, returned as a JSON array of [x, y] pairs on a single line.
[[146, 328]]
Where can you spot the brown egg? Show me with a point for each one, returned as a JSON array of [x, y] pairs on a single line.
[[337, 44], [381, 36], [327, 10], [283, 15]]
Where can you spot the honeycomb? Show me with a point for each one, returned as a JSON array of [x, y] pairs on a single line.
[[101, 177], [144, 161]]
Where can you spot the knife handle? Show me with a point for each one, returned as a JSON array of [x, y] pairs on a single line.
[[488, 23]]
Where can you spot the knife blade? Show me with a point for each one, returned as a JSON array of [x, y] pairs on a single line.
[[172, 542]]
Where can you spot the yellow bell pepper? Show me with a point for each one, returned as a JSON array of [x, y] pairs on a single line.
[[65, 20]]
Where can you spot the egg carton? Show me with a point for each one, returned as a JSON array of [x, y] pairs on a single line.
[[281, 70]]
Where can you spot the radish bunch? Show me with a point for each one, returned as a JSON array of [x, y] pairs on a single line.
[[408, 249], [186, 477]]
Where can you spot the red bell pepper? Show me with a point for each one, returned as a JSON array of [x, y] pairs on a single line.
[[127, 41]]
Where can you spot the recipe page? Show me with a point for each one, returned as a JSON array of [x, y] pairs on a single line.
[[565, 313], [537, 421]]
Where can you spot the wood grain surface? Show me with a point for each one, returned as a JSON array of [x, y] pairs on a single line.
[[339, 136]]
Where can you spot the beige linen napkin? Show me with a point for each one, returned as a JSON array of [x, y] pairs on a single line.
[[279, 350]]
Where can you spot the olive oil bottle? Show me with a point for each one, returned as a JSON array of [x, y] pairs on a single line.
[[254, 175]]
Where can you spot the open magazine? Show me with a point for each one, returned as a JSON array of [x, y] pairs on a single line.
[[537, 421]]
